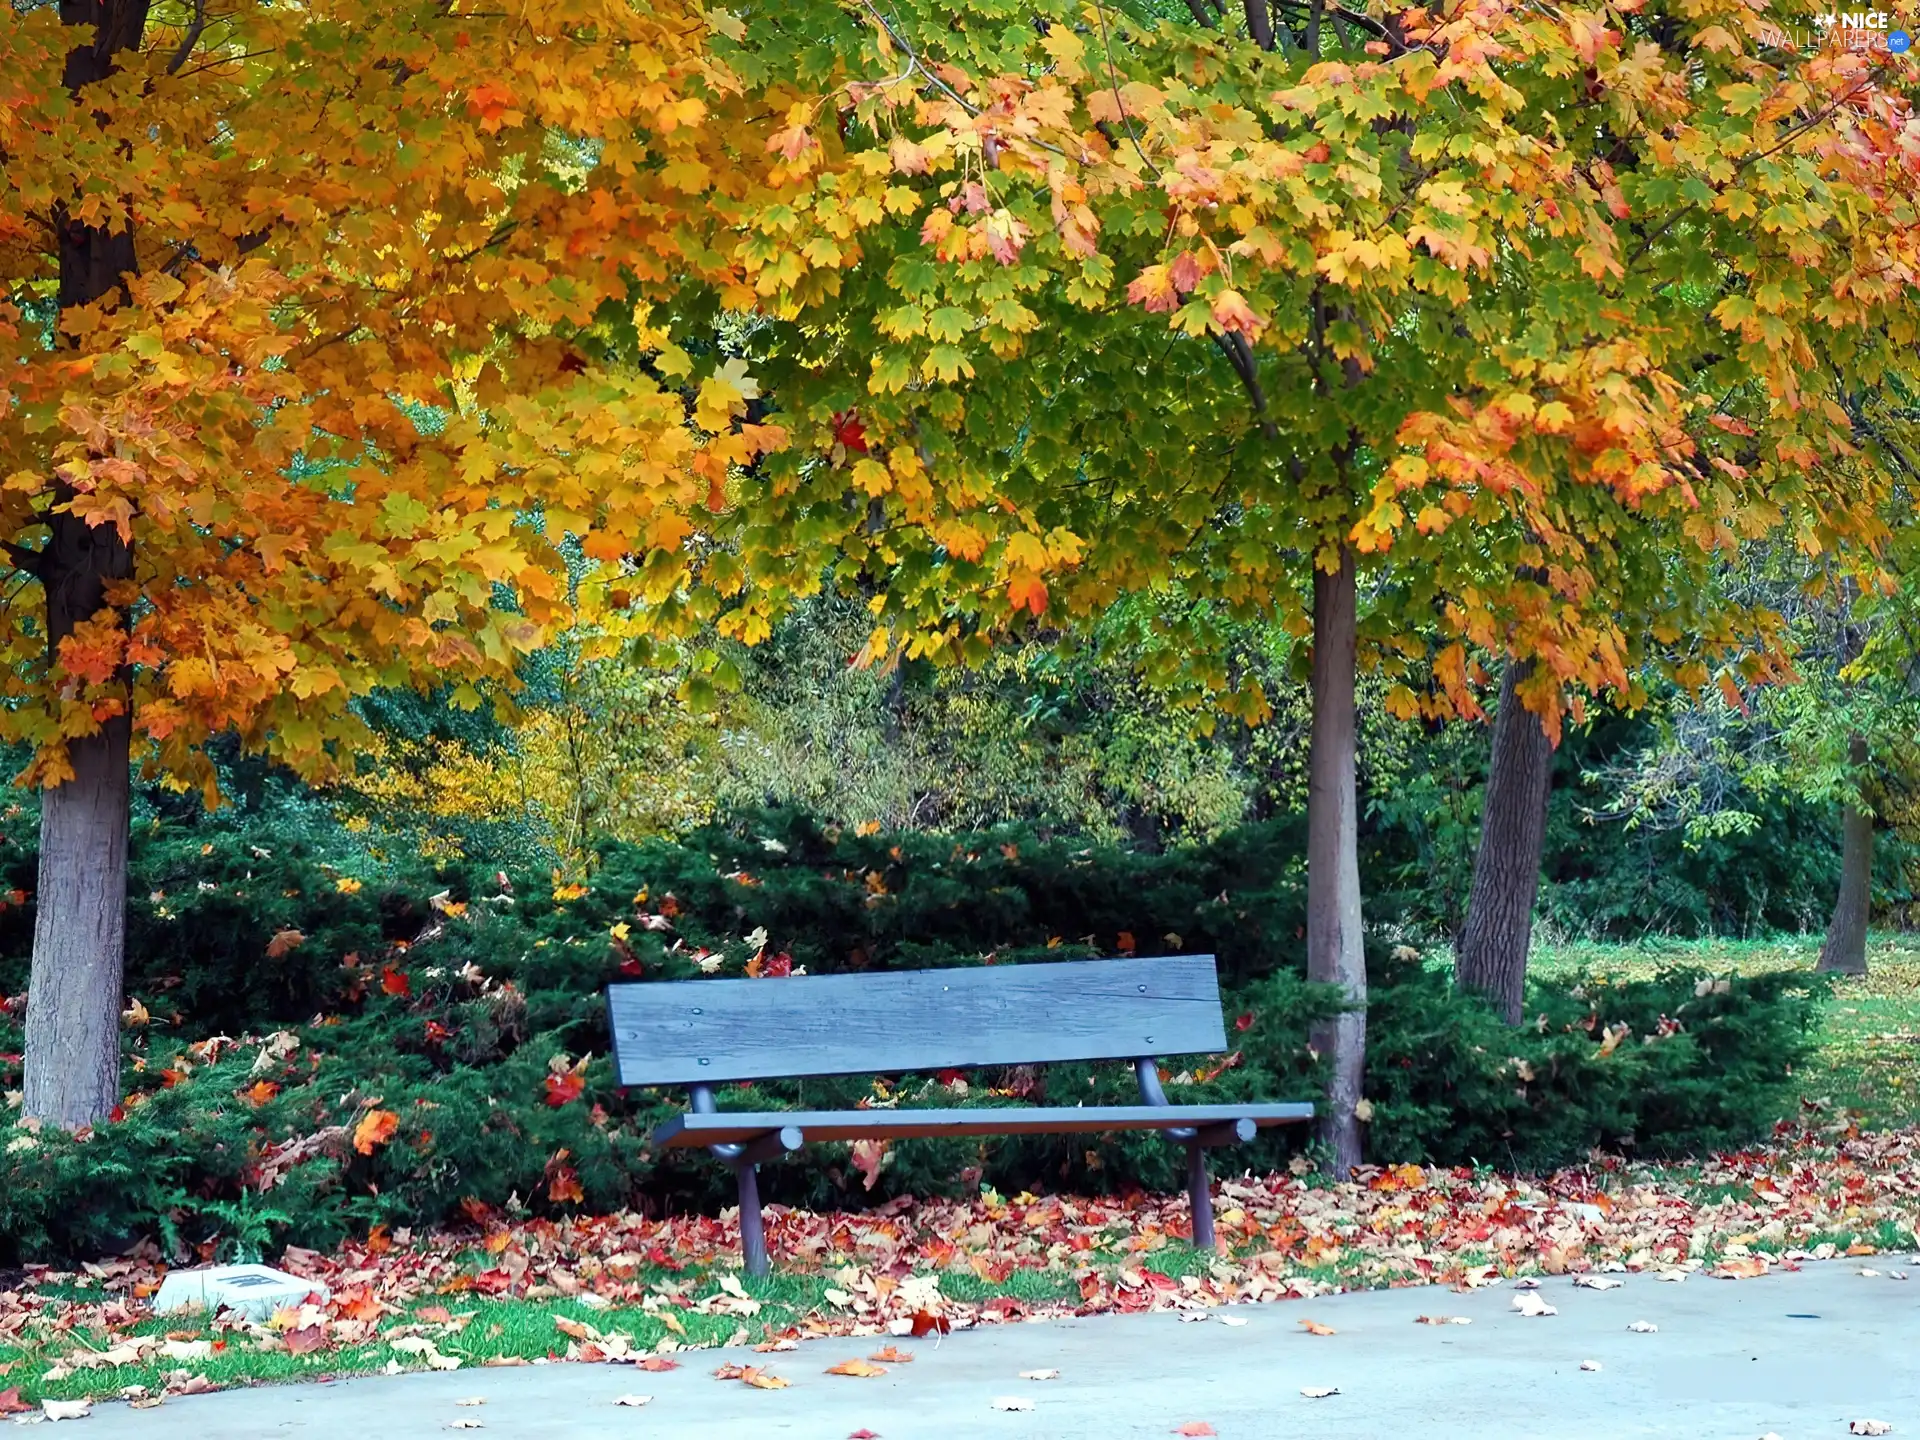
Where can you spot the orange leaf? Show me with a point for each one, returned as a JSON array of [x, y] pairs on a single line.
[[260, 1092], [375, 1129], [282, 942], [564, 1188], [659, 1363], [892, 1356], [306, 1340], [860, 1369], [1314, 1327], [396, 982]]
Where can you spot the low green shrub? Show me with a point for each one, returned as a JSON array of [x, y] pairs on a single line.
[[460, 999]]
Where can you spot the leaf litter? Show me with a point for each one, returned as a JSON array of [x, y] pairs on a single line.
[[1802, 1197]]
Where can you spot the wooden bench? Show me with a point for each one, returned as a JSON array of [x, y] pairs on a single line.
[[706, 1033]]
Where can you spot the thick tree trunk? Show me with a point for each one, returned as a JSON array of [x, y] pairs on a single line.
[[79, 938], [72, 1061], [1335, 952], [1491, 957], [1845, 949]]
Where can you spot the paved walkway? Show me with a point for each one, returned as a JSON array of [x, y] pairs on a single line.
[[1795, 1354]]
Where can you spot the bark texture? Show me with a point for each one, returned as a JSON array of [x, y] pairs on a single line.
[[1491, 957], [72, 1061], [1844, 951], [1335, 953]]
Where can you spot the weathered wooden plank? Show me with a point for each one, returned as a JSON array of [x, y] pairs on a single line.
[[693, 1130], [714, 1031]]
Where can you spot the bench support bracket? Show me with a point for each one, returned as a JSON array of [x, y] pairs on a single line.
[[744, 1160], [1199, 1188]]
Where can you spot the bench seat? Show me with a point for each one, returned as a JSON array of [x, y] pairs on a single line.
[[738, 1126]]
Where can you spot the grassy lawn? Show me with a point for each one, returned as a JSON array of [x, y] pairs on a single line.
[[1870, 1043]]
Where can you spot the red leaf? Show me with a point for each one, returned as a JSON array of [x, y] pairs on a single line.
[[564, 1088], [395, 982], [848, 431], [12, 1404], [926, 1323], [1196, 1427], [1243, 1022]]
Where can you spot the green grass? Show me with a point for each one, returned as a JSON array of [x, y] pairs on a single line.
[[1869, 1060]]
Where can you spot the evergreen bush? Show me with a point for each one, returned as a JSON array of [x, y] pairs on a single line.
[[460, 998]]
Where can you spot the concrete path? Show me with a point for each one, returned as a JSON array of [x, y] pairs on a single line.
[[1798, 1355]]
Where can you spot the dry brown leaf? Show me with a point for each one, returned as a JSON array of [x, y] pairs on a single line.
[[659, 1364], [860, 1369], [1314, 1327], [892, 1355], [1744, 1267]]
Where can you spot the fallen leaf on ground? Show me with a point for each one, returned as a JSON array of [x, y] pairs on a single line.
[[1745, 1267], [659, 1364], [1196, 1427], [11, 1403], [1441, 1320], [1673, 1277], [634, 1400], [1644, 1327], [1532, 1306], [1526, 1282], [892, 1355], [472, 1400], [1596, 1282], [306, 1340], [1020, 1402], [858, 1368], [1314, 1327], [1589, 1364], [864, 1434], [1039, 1374], [465, 1423], [1232, 1320], [1870, 1274], [1319, 1392], [1869, 1427], [80, 1409]]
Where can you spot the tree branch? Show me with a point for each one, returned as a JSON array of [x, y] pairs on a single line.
[[1259, 23], [22, 559], [195, 30]]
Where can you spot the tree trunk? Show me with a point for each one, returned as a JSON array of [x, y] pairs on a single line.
[[79, 938], [1845, 949], [1491, 957], [1335, 953], [72, 1061]]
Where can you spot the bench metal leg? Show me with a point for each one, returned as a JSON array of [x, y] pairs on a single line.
[[1200, 1196], [753, 1237]]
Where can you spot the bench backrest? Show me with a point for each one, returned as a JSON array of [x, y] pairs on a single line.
[[715, 1031]]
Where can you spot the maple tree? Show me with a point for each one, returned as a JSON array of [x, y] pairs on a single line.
[[290, 407], [1492, 322]]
